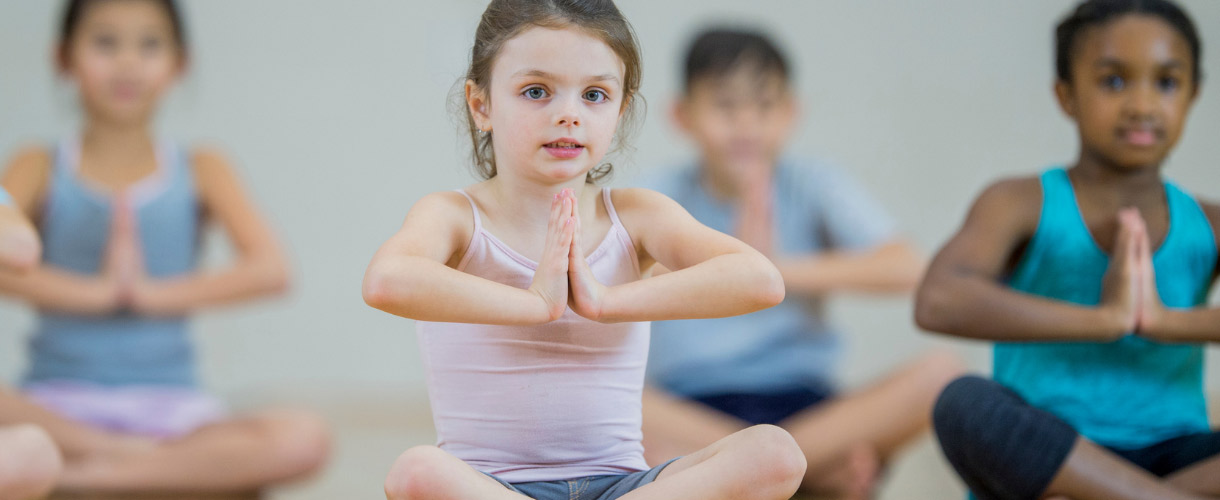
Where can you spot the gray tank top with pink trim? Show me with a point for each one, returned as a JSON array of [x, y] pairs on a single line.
[[120, 348]]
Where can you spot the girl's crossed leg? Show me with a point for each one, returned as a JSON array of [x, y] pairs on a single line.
[[758, 463], [1005, 449]]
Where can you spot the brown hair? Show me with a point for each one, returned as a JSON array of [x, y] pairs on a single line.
[[74, 10], [505, 19]]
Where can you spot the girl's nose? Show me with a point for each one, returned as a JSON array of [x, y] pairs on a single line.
[[568, 114], [1142, 99]]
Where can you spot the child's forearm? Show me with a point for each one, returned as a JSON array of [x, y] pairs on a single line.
[[981, 309], [245, 280], [727, 285], [426, 290], [63, 291], [893, 268], [1185, 325]]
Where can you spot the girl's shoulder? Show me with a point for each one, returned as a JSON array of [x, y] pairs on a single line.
[[640, 201], [1013, 203], [1212, 211], [207, 161], [32, 159], [1016, 192], [640, 209], [213, 172], [27, 175], [447, 210]]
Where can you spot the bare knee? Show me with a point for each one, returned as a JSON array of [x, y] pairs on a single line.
[[774, 459], [417, 474], [30, 463], [942, 366], [300, 443]]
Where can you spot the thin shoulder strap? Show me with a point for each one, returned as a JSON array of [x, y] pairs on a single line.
[[610, 207], [478, 224]]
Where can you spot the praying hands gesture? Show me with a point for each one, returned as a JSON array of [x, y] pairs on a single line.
[[1129, 290]]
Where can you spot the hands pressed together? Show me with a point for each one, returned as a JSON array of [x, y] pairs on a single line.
[[563, 277], [1129, 291], [124, 281]]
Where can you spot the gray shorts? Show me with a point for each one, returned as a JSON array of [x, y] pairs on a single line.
[[586, 488]]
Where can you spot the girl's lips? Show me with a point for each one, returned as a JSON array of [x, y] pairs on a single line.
[[566, 152], [1140, 137]]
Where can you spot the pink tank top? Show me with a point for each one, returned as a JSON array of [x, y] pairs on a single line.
[[540, 403]]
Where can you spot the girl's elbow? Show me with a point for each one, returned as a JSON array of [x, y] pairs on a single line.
[[771, 288], [931, 310], [379, 289], [374, 290], [273, 277], [20, 250], [279, 280]]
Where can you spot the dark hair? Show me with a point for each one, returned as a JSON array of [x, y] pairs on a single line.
[[1099, 12], [75, 9], [718, 51], [505, 19]]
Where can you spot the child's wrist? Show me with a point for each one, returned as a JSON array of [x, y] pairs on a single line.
[[1112, 322]]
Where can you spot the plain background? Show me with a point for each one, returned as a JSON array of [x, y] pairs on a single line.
[[337, 116]]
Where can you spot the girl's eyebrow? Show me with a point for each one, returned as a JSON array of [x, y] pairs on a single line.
[[537, 73], [1107, 62]]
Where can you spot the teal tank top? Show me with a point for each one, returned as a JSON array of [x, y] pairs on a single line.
[[121, 348], [1133, 392]]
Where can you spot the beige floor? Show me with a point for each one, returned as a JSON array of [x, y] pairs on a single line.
[[372, 429]]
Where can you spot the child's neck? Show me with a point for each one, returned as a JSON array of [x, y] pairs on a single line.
[[1099, 172], [531, 201], [113, 144]]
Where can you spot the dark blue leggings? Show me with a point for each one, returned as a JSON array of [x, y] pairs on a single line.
[[1005, 449]]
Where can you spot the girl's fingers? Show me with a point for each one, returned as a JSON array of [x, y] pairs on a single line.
[[553, 224], [1122, 242]]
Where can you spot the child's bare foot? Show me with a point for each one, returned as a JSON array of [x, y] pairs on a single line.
[[88, 469]]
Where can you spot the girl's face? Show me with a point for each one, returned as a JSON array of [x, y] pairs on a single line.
[[1131, 90], [123, 57], [552, 105]]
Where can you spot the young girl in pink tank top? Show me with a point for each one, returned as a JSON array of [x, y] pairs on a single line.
[[529, 286]]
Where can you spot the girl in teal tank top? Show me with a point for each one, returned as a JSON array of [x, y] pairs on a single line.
[[1092, 281], [120, 216]]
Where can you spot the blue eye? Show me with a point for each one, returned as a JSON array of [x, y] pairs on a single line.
[[535, 93], [1168, 84], [596, 96]]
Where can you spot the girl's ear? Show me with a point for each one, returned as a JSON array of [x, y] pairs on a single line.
[[679, 112], [60, 58], [184, 64], [1066, 98], [477, 103]]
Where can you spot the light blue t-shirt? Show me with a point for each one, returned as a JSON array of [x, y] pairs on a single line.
[[4, 198], [1133, 392], [817, 208]]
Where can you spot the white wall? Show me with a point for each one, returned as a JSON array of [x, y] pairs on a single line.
[[336, 113]]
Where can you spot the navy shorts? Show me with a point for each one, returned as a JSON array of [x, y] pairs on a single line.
[[766, 408], [1173, 455], [586, 488]]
